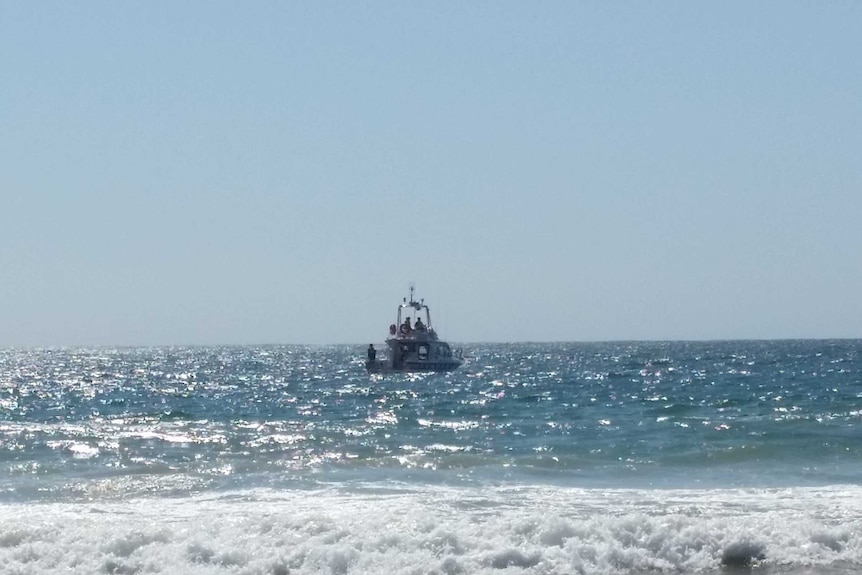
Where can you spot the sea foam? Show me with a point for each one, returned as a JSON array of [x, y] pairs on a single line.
[[440, 530]]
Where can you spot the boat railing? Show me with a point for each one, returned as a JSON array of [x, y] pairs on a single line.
[[417, 335]]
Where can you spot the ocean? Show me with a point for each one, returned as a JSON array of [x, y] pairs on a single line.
[[626, 457]]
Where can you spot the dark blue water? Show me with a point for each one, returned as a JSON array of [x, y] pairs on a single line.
[[577, 457]]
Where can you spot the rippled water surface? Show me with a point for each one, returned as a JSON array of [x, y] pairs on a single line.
[[737, 413], [532, 458]]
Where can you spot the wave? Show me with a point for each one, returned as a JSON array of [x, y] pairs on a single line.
[[368, 528]]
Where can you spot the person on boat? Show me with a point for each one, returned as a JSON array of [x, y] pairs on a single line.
[[372, 353], [419, 326], [405, 327]]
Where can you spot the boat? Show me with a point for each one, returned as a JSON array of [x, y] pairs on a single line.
[[413, 347]]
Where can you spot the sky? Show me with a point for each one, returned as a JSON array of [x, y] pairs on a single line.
[[201, 173]]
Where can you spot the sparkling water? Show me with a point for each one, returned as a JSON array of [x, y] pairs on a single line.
[[532, 458]]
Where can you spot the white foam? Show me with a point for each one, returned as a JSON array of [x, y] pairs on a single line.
[[447, 531]]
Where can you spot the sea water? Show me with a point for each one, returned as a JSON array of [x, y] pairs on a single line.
[[680, 457]]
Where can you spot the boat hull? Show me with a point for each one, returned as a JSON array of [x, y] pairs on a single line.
[[383, 367]]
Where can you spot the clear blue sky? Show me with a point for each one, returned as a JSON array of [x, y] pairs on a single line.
[[280, 172]]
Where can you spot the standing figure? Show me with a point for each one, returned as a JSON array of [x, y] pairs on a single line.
[[405, 327]]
